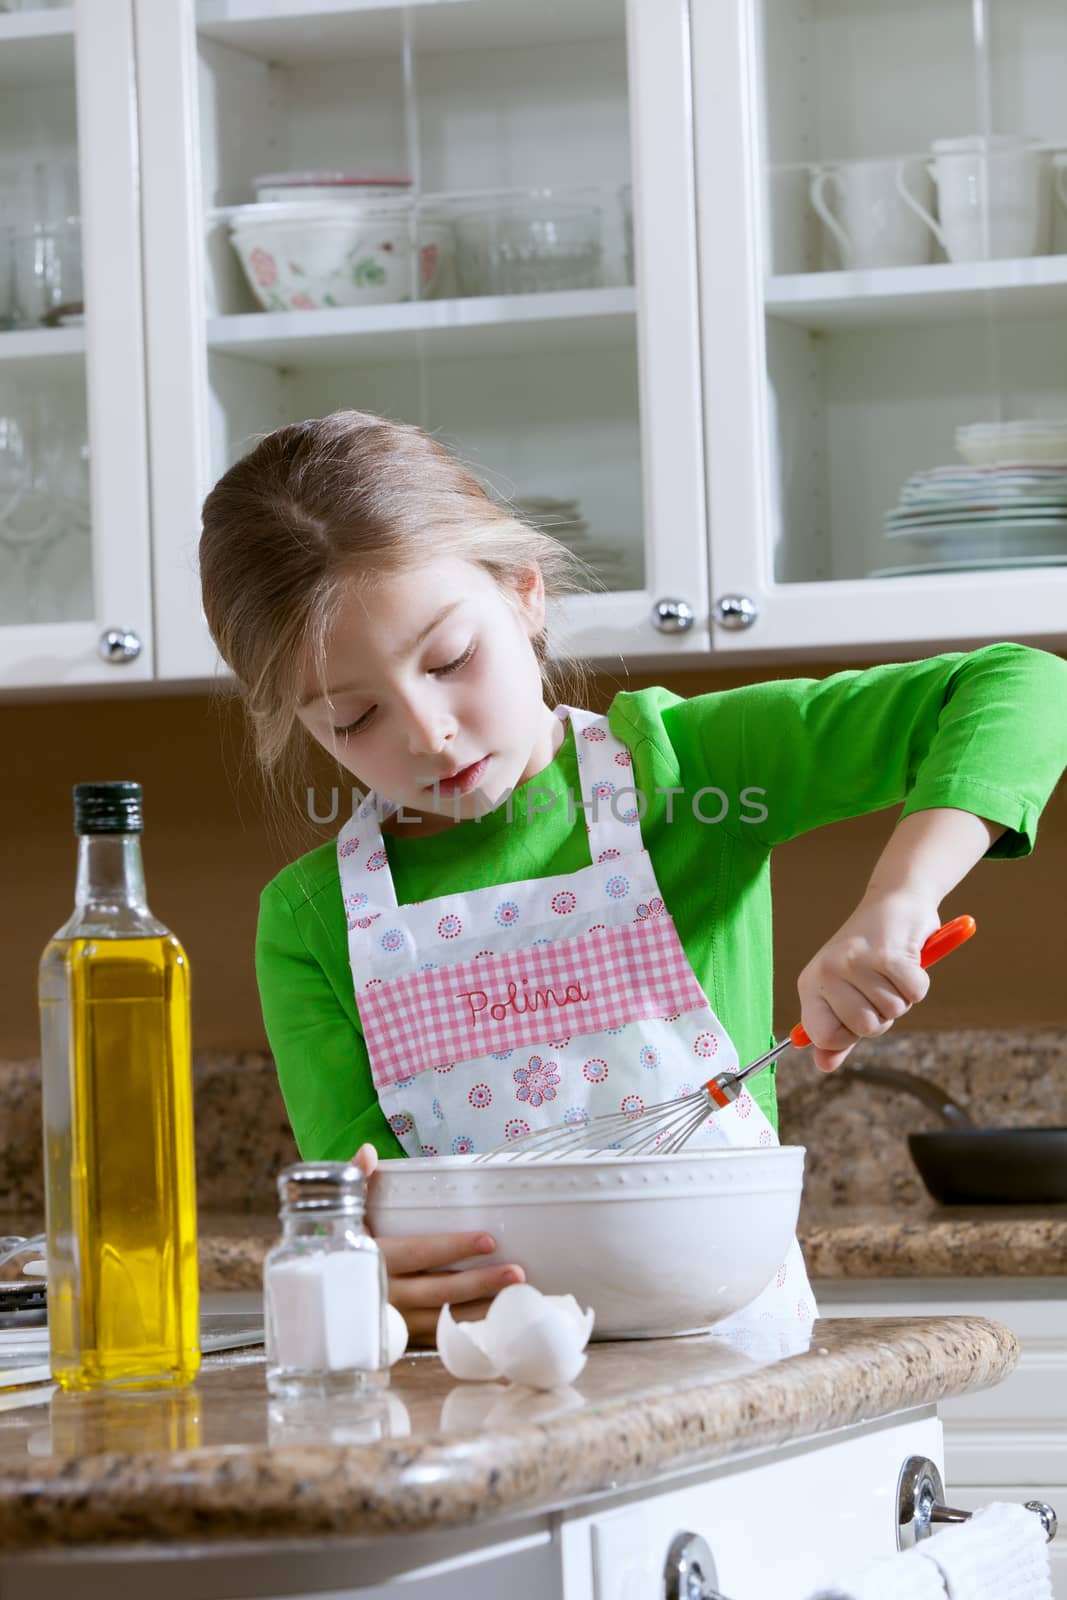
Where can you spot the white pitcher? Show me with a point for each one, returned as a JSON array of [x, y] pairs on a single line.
[[989, 197], [875, 225]]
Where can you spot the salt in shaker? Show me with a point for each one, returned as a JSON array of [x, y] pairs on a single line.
[[324, 1287]]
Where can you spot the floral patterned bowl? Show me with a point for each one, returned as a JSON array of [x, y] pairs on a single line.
[[306, 257], [655, 1244]]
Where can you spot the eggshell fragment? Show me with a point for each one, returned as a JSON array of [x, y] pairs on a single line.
[[396, 1335], [549, 1354], [461, 1348], [513, 1309]]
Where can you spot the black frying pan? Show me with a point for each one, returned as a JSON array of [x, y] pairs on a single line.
[[966, 1165]]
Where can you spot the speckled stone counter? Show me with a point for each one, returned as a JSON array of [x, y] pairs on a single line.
[[871, 1241], [928, 1241], [218, 1462], [932, 1241], [860, 1241]]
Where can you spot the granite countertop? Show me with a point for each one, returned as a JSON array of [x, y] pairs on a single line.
[[219, 1462], [859, 1241], [928, 1240]]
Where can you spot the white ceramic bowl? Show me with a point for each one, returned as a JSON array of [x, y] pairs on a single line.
[[988, 444], [655, 1244], [306, 257], [328, 185]]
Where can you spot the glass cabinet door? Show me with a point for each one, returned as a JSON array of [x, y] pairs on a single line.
[[74, 594], [898, 293], [428, 211]]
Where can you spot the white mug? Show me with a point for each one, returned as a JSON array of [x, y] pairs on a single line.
[[875, 225], [989, 197]]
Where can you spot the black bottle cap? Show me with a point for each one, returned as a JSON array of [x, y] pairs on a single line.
[[107, 808]]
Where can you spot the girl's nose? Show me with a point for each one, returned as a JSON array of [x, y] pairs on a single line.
[[429, 730]]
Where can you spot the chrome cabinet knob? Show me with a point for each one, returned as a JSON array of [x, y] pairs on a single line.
[[735, 611], [689, 1571], [672, 616], [118, 646]]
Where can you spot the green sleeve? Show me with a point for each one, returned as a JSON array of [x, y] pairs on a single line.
[[318, 1048], [984, 732]]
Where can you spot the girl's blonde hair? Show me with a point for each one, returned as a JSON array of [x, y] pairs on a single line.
[[319, 502]]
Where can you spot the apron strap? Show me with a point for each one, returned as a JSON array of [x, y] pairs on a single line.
[[610, 799], [366, 878]]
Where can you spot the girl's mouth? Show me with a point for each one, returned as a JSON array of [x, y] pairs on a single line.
[[465, 780]]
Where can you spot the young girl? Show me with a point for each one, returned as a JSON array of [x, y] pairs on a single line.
[[539, 914]]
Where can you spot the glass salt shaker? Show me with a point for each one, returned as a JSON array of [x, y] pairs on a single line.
[[324, 1288]]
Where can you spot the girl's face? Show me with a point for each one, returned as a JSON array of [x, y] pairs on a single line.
[[433, 694]]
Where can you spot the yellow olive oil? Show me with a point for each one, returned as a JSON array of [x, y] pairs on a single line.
[[123, 1303]]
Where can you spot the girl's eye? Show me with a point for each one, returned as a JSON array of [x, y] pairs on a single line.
[[436, 672], [454, 666], [353, 727]]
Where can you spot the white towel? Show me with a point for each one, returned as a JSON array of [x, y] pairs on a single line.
[[902, 1577], [999, 1554]]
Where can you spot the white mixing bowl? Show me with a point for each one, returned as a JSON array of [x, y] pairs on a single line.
[[655, 1244]]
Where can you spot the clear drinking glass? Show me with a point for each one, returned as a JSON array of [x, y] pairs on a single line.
[[528, 243], [46, 275], [45, 554]]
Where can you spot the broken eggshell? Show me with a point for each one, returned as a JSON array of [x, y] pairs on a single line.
[[396, 1335], [460, 1348], [531, 1338]]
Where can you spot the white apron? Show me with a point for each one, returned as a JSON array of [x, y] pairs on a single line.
[[490, 1013]]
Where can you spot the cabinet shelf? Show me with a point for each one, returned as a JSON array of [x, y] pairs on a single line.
[[489, 325], [46, 346], [36, 47], [286, 34], [942, 292]]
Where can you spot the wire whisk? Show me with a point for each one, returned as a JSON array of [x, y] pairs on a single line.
[[664, 1128]]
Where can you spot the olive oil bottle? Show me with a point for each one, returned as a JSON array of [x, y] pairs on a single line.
[[123, 1297]]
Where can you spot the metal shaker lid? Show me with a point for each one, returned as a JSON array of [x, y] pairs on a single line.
[[322, 1186]]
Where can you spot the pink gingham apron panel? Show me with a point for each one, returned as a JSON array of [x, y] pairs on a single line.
[[583, 984], [452, 1077]]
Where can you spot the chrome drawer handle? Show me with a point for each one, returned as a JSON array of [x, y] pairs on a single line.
[[920, 1504], [689, 1571]]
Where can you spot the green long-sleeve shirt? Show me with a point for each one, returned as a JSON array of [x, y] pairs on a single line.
[[984, 732]]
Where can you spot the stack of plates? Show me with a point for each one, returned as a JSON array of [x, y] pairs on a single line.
[[615, 566], [964, 517]]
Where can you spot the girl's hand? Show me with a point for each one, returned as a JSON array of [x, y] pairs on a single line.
[[867, 975], [419, 1282]]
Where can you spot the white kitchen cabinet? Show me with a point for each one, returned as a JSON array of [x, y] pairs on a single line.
[[75, 597], [828, 384], [585, 394], [1004, 1443], [732, 411]]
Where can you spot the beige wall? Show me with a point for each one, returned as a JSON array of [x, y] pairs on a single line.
[[209, 847]]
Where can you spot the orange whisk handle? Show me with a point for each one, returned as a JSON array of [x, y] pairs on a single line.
[[941, 942], [718, 1090]]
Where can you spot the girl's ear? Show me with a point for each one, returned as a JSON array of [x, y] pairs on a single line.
[[530, 592]]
